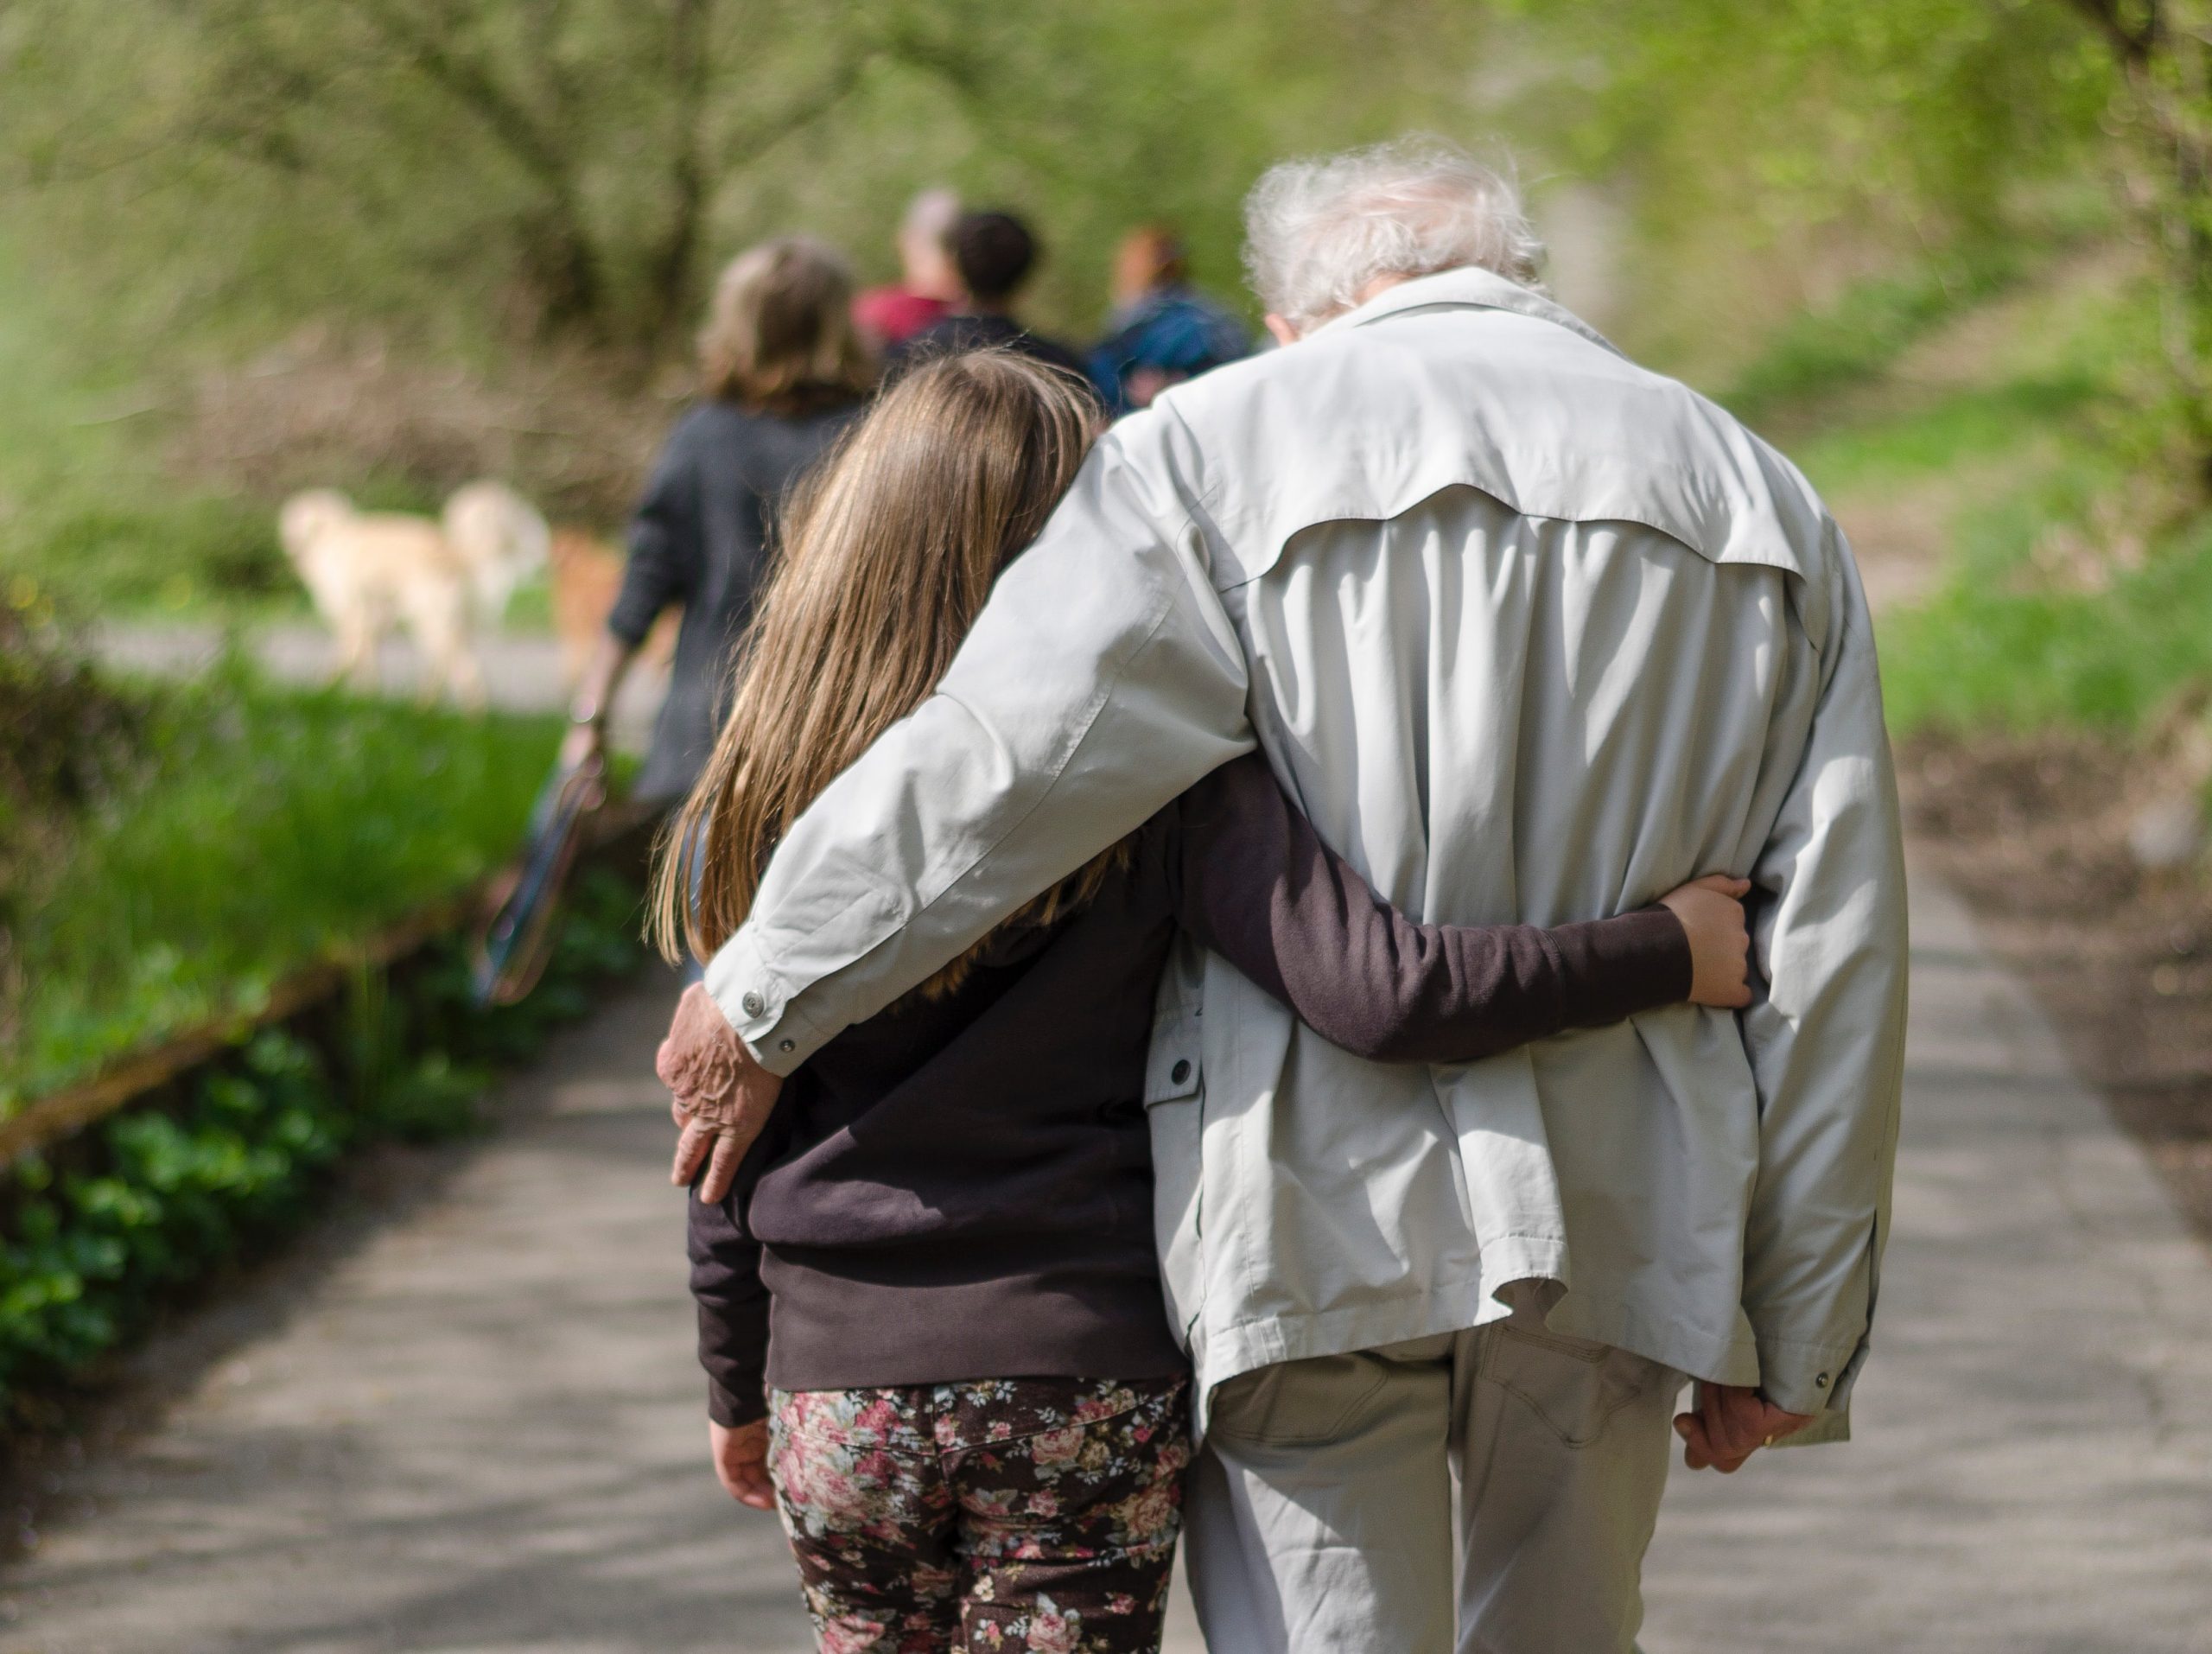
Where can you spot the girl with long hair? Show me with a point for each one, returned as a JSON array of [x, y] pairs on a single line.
[[930, 1311]]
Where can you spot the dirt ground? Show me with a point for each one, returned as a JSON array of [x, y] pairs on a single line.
[[2030, 830]]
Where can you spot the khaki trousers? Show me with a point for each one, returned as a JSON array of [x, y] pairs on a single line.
[[1320, 1514]]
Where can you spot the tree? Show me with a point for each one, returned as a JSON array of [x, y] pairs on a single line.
[[574, 167], [2161, 114], [1778, 150]]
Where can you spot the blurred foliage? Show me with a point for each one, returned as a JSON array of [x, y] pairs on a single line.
[[574, 168], [66, 739], [261, 829], [1776, 153], [254, 245], [2015, 656], [95, 1242], [1862, 335], [2162, 51]]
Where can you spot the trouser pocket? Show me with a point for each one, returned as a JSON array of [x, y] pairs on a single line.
[[1293, 1403], [1573, 1387]]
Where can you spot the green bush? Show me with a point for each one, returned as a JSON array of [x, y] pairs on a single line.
[[177, 554], [160, 1198]]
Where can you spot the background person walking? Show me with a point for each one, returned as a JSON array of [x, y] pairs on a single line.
[[995, 253], [1163, 331], [928, 284], [781, 371]]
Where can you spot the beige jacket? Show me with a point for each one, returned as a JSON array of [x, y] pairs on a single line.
[[1532, 634]]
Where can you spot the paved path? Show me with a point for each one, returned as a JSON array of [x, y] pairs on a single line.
[[475, 1424], [523, 671], [2033, 1472]]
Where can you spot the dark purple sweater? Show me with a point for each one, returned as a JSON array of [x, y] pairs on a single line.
[[960, 1186]]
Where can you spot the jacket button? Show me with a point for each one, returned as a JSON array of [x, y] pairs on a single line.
[[752, 1005], [786, 1045], [1821, 1382], [1181, 1071]]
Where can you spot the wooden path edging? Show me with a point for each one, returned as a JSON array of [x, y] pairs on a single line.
[[57, 1115], [69, 1111]]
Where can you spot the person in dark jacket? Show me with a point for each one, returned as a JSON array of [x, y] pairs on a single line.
[[995, 253], [782, 373], [1163, 330], [929, 1307]]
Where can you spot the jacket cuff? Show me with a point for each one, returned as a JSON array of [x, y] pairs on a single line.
[[1815, 1378], [1831, 1426], [730, 1409], [757, 1004]]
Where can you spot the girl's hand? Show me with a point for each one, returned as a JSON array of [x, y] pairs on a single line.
[[741, 1462], [1711, 913]]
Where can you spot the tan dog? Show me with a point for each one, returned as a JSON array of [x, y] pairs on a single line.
[[365, 570], [586, 577]]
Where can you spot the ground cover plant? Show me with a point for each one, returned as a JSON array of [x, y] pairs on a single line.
[[251, 831], [168, 853], [230, 1158]]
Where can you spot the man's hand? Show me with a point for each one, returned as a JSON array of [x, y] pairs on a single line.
[[723, 1097], [1729, 1424], [741, 1462]]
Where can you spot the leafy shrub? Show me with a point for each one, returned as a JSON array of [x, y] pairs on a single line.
[[174, 553], [162, 1197]]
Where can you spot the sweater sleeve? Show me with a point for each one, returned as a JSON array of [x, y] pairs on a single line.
[[1256, 884], [663, 544], [733, 1308]]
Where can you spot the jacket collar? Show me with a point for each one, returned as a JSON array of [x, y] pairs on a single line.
[[1469, 287]]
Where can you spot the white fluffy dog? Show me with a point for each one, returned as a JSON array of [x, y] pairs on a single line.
[[443, 580], [499, 538]]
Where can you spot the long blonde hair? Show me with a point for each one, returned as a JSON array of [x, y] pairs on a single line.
[[890, 550], [779, 336]]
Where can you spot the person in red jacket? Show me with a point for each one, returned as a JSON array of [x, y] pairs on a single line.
[[928, 282]]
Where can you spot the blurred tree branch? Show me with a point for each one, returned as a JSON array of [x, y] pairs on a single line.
[[2162, 49], [2134, 42], [509, 175]]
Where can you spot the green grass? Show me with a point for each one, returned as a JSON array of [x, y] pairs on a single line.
[[1863, 334], [265, 828], [1956, 428], [2042, 437], [1986, 655]]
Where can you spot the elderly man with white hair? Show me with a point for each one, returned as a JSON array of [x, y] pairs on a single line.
[[1532, 634]]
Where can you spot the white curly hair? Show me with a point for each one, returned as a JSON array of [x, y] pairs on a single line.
[[1316, 231]]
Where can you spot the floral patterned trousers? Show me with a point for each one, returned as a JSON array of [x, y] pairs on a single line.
[[1009, 1514]]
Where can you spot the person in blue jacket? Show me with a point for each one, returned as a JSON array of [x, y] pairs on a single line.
[[1163, 331]]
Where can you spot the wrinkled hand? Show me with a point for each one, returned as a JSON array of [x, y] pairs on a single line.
[[1711, 910], [740, 1455], [1729, 1423], [723, 1097]]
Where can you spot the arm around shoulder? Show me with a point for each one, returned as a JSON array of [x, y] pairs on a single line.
[[1102, 678]]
